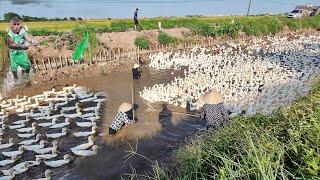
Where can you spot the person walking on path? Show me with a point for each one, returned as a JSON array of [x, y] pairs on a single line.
[[135, 19]]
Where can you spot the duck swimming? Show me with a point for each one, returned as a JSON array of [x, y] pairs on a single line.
[[57, 163], [35, 146], [57, 135], [13, 153], [30, 141], [47, 175], [80, 152], [86, 133], [85, 145], [7, 145], [61, 125], [53, 154], [28, 135], [28, 129], [9, 161], [48, 149], [53, 122]]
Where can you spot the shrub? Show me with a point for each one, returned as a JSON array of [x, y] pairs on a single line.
[[142, 42], [275, 26], [165, 38], [204, 29]]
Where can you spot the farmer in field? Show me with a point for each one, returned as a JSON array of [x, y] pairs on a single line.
[[213, 110], [18, 41], [135, 19], [123, 117]]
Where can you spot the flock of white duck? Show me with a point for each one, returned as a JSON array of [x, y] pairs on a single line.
[[258, 76], [36, 131]]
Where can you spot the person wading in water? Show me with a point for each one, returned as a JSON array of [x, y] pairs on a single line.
[[124, 116], [18, 41], [213, 110]]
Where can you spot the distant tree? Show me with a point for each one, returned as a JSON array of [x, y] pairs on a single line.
[[65, 19], [80, 18], [72, 18], [8, 16]]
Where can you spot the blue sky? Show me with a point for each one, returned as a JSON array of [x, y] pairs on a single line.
[[148, 8]]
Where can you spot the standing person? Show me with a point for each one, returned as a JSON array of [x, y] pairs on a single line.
[[124, 116], [18, 41], [213, 110], [135, 19]]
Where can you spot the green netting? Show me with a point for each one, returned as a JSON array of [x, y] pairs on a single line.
[[78, 53]]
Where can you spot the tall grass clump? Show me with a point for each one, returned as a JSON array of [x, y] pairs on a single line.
[[164, 38], [142, 42], [284, 145]]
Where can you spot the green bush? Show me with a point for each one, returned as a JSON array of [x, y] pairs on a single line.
[[229, 29], [256, 28], [204, 29], [275, 26], [165, 38], [293, 24], [142, 42]]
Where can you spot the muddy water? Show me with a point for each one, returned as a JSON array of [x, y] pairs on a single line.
[[155, 135]]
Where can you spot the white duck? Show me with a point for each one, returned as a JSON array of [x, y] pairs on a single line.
[[17, 126], [7, 145], [71, 108], [27, 129], [58, 135], [28, 135], [96, 113], [69, 88], [53, 154], [37, 162], [47, 175], [86, 133], [35, 146], [9, 161], [48, 149], [85, 145], [94, 108], [58, 163], [30, 141], [99, 100], [21, 170], [13, 153], [86, 124], [6, 172], [80, 152], [22, 121], [10, 176], [61, 125], [53, 122], [77, 114]]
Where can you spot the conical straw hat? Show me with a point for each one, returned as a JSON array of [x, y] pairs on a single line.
[[125, 107], [136, 65], [212, 97]]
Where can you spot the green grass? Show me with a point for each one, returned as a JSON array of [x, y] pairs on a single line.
[[285, 145], [252, 25], [142, 42]]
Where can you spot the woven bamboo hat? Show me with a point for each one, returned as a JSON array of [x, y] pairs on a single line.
[[212, 97], [125, 107], [136, 65]]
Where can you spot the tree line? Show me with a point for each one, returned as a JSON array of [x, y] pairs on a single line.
[[8, 16]]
